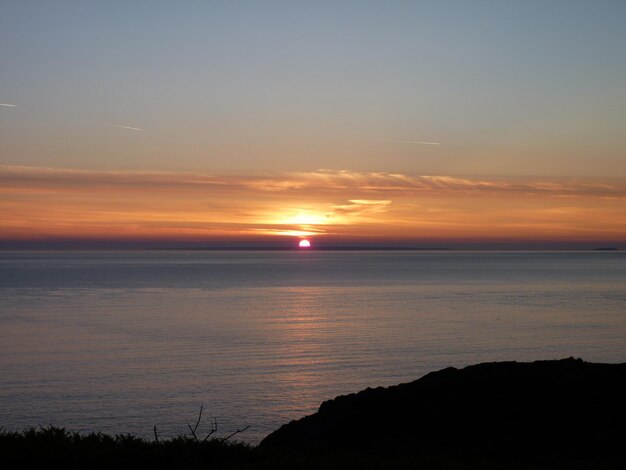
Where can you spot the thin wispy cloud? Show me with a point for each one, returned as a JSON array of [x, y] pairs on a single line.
[[120, 126], [359, 185], [54, 202], [418, 142], [8, 105], [358, 207]]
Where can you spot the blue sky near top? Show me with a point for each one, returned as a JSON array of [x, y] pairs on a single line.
[[506, 88]]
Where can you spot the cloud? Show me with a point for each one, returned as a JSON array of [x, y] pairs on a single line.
[[418, 142], [360, 207], [119, 126], [396, 183], [7, 105], [329, 184], [50, 202]]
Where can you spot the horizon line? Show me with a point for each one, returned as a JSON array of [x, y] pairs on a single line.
[[355, 247]]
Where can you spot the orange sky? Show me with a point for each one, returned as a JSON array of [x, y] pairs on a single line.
[[152, 124], [326, 205]]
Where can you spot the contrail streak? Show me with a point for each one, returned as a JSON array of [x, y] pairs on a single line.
[[420, 142], [7, 105], [125, 127]]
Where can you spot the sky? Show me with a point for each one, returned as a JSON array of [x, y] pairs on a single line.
[[434, 123]]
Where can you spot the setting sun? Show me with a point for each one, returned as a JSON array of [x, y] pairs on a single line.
[[304, 244]]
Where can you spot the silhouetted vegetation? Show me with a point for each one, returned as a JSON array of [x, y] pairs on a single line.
[[545, 415], [57, 448]]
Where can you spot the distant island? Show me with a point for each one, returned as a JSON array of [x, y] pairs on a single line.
[[316, 247], [295, 248], [559, 414]]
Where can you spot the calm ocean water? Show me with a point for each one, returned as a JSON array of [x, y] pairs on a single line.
[[119, 342]]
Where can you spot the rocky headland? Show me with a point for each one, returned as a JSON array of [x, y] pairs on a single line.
[[549, 411]]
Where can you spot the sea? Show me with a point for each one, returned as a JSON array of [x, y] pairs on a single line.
[[121, 342]]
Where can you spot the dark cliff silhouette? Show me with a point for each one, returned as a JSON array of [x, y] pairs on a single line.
[[558, 415], [565, 410]]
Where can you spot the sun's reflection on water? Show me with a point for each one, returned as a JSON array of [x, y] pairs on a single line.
[[304, 341]]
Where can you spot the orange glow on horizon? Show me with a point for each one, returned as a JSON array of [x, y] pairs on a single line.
[[39, 203]]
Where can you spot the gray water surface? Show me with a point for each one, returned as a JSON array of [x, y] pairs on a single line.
[[119, 342]]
